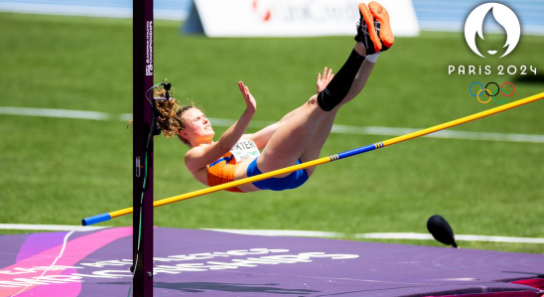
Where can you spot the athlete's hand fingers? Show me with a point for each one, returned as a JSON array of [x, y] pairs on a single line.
[[242, 89], [324, 79], [250, 101], [327, 74], [247, 94]]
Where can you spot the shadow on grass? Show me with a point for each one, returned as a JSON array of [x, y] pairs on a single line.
[[530, 79]]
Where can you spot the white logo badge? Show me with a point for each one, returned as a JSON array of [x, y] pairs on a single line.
[[503, 15]]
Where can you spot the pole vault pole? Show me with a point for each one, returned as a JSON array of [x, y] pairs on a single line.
[[107, 216], [142, 181]]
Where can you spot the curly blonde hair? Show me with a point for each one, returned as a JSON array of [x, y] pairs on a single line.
[[170, 121]]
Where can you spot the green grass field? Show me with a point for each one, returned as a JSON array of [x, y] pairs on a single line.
[[57, 171]]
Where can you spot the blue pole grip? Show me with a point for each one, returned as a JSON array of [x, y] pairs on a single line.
[[96, 219], [356, 151]]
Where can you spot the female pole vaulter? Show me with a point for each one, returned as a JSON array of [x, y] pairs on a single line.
[[297, 137]]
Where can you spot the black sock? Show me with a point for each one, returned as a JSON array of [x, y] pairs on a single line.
[[339, 86]]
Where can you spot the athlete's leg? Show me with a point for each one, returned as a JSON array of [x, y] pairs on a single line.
[[292, 137], [360, 79], [373, 35], [304, 131], [339, 87], [291, 114], [302, 136], [313, 150], [365, 45]]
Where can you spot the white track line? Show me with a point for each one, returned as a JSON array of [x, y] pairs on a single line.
[[341, 129], [48, 227], [410, 236], [56, 113], [423, 236], [298, 233]]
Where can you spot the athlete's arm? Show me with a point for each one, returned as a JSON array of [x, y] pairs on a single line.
[[198, 157]]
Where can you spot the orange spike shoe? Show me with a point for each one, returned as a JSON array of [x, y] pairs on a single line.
[[382, 24], [366, 31]]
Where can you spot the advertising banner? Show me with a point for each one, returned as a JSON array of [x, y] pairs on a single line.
[[288, 18]]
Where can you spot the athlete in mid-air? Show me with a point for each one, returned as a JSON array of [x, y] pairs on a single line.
[[297, 137]]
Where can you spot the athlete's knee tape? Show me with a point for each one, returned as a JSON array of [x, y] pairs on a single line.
[[339, 86]]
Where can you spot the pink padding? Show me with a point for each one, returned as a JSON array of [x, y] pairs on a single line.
[[497, 294], [74, 251], [535, 283], [65, 290]]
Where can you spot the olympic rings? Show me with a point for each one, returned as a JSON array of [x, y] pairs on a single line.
[[478, 96], [498, 88], [492, 95]]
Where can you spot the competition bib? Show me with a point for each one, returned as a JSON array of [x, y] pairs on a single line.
[[244, 149]]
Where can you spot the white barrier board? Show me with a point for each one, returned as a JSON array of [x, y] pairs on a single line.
[[290, 18]]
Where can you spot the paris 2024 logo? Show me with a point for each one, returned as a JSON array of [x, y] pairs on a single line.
[[474, 29], [503, 15]]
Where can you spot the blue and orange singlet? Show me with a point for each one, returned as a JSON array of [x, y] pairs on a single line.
[[222, 170]]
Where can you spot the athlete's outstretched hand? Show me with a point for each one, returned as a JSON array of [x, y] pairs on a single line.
[[324, 80], [250, 101]]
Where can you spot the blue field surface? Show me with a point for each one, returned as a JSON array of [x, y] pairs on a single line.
[[432, 15]]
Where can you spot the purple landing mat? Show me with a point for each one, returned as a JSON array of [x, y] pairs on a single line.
[[209, 263]]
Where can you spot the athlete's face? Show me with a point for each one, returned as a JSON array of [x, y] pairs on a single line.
[[198, 128]]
